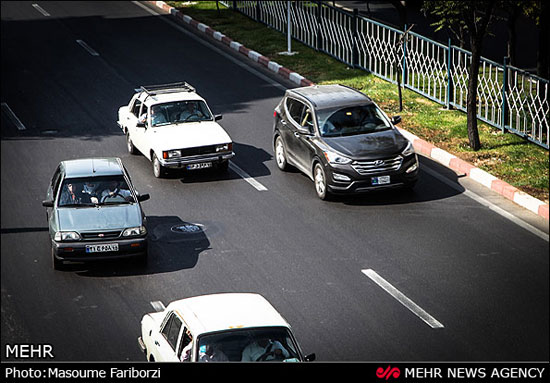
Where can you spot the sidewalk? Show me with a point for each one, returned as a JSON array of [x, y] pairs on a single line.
[[421, 146]]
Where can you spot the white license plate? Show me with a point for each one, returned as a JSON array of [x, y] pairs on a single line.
[[201, 165], [382, 180], [101, 248]]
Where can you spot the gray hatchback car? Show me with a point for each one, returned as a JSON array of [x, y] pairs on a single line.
[[94, 212]]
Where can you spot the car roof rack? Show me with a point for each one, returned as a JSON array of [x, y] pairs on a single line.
[[181, 86]]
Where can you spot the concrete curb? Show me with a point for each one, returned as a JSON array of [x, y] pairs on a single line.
[[422, 147]]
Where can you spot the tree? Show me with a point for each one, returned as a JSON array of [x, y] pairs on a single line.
[[475, 17], [539, 11]]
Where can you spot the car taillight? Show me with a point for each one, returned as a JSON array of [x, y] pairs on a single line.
[[274, 113]]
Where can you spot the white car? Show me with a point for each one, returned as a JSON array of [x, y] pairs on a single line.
[[219, 327], [173, 127]]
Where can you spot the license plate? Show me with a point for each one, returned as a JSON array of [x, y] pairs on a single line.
[[201, 165], [101, 248], [382, 180]]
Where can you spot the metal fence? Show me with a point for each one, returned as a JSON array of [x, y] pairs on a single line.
[[509, 98]]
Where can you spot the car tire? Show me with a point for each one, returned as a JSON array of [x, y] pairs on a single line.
[[56, 263], [158, 169], [280, 154], [130, 145], [320, 180]]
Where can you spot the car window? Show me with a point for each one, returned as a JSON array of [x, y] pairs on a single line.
[[359, 119], [180, 112], [295, 109], [184, 344], [56, 179], [136, 107], [91, 191], [171, 330]]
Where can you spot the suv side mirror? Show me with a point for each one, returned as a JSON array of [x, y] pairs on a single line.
[[396, 120], [217, 117], [47, 203], [143, 197]]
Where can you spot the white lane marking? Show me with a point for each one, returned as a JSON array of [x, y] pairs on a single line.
[[158, 306], [87, 47], [401, 298], [17, 122], [208, 44], [258, 186], [490, 205], [41, 10]]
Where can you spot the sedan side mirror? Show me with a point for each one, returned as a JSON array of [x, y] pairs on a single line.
[[143, 197], [217, 117], [310, 357], [47, 203], [396, 120]]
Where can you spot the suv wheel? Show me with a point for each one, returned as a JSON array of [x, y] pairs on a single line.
[[320, 180], [158, 169], [280, 154]]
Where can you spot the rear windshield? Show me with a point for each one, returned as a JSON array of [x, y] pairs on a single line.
[[91, 191], [360, 119]]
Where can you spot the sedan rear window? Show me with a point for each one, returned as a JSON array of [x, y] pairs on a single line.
[[360, 119]]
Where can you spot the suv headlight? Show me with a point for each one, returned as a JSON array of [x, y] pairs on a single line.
[[134, 231], [408, 150], [66, 236], [335, 158], [171, 154], [224, 147]]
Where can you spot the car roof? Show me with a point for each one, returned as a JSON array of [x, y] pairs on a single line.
[[331, 96], [92, 167], [226, 311]]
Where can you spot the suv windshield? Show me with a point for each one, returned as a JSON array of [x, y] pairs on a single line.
[[360, 119], [91, 191], [248, 345], [179, 111]]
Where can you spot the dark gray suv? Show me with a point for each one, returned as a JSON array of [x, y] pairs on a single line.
[[94, 212], [342, 140]]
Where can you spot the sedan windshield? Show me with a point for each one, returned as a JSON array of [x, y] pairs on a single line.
[[92, 191], [179, 111], [248, 345], [360, 119]]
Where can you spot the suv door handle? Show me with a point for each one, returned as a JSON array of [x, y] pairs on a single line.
[[157, 343]]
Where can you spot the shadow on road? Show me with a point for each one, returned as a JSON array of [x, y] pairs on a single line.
[[173, 245]]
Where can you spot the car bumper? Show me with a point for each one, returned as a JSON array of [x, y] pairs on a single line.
[[76, 251], [358, 183], [179, 163]]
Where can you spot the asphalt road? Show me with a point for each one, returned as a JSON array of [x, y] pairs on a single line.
[[482, 276]]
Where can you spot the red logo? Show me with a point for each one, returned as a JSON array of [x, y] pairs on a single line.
[[389, 372]]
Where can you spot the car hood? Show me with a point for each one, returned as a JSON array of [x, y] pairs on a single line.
[[369, 146], [189, 135], [109, 217]]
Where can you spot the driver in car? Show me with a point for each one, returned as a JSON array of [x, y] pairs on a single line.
[[190, 110], [264, 349], [113, 190]]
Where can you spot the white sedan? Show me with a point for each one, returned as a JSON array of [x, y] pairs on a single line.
[[174, 128], [219, 327]]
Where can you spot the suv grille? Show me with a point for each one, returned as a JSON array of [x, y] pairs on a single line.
[[210, 149], [377, 166], [101, 235]]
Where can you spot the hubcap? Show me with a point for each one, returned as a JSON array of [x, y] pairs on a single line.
[[280, 153], [319, 181]]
